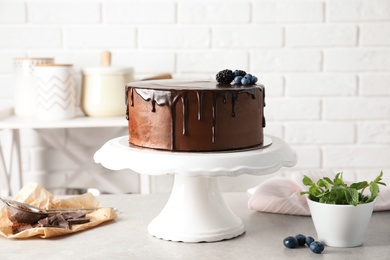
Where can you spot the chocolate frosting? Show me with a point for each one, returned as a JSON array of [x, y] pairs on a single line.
[[168, 92]]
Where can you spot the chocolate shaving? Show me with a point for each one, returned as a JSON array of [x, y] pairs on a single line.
[[78, 221], [63, 220], [19, 227], [60, 220]]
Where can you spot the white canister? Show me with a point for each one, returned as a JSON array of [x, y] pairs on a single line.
[[24, 86], [103, 88], [103, 91], [56, 92]]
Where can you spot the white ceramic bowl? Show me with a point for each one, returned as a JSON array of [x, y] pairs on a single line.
[[340, 225]]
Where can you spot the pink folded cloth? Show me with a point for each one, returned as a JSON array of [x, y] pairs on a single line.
[[281, 194]]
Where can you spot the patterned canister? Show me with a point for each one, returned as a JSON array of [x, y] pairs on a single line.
[[24, 87], [56, 92]]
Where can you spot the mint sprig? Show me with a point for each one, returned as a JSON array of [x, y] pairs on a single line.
[[336, 191]]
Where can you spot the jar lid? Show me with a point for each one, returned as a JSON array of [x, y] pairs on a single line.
[[107, 70]]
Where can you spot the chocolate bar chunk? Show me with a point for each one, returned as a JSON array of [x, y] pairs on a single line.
[[78, 221], [19, 227], [63, 220], [73, 215]]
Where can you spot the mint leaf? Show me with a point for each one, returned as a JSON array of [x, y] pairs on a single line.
[[324, 183], [307, 181], [337, 192], [315, 192], [374, 188], [379, 178], [359, 185], [328, 180], [338, 179], [352, 196]]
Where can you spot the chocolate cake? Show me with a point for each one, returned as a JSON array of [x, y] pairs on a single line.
[[195, 116]]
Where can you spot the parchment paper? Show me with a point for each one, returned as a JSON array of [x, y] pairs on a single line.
[[36, 195]]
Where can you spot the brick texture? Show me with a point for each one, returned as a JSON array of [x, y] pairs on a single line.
[[325, 65], [287, 11], [321, 35], [358, 10], [48, 12]]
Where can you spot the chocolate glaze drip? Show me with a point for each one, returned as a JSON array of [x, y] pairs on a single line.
[[169, 98], [264, 124], [184, 101], [199, 95], [214, 127]]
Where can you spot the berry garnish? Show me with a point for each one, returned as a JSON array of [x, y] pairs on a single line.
[[317, 247], [301, 239], [239, 73], [245, 81], [309, 240], [254, 79], [290, 242], [239, 77], [237, 80], [224, 76]]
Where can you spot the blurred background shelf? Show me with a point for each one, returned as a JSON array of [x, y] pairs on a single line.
[[11, 174]]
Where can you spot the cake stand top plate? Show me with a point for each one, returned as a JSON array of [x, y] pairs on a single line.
[[116, 154]]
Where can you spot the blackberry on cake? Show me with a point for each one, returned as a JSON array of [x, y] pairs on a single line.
[[224, 76]]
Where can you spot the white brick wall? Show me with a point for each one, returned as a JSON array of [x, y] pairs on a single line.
[[325, 65]]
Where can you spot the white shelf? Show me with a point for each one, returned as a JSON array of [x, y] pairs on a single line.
[[11, 177], [14, 122]]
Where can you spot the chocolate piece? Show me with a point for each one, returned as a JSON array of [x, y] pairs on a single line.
[[73, 215], [44, 222], [61, 220], [19, 227], [78, 221]]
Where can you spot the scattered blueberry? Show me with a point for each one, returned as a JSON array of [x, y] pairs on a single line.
[[290, 242], [301, 239], [237, 80], [309, 240], [317, 247]]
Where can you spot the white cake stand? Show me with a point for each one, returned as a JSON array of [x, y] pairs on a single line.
[[196, 210]]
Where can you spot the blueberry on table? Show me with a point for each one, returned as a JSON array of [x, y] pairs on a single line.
[[301, 239], [290, 242], [309, 240], [317, 247]]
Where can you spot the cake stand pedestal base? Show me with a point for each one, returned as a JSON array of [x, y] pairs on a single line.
[[196, 212]]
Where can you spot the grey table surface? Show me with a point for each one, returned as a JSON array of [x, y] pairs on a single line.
[[127, 237]]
